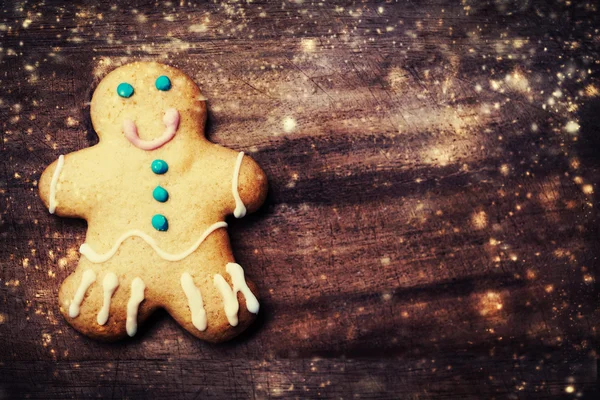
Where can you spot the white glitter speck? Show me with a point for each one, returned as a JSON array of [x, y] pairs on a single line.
[[572, 127], [289, 124]]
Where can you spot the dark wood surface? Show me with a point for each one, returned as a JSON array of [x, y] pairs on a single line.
[[431, 229]]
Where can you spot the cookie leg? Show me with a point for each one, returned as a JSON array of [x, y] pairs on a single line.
[[103, 306], [210, 307]]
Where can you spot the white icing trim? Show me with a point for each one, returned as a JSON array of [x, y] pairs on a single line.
[[94, 257], [230, 302], [194, 297], [240, 208], [110, 284], [137, 296], [239, 285], [87, 278], [54, 182]]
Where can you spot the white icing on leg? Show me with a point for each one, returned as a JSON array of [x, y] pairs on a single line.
[[230, 302], [137, 296], [110, 284], [240, 208], [87, 278], [196, 305], [96, 258], [54, 182], [239, 285]]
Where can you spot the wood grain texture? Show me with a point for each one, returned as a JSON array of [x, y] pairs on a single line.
[[431, 229]]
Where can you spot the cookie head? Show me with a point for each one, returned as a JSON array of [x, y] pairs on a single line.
[[148, 104]]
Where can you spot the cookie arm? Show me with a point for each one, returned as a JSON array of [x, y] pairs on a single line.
[[58, 185], [252, 185]]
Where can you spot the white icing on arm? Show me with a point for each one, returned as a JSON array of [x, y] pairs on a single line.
[[230, 302], [240, 208], [137, 296], [54, 182], [110, 284], [87, 278], [96, 258], [196, 305]]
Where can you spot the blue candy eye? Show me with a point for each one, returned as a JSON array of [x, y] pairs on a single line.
[[163, 83], [125, 90]]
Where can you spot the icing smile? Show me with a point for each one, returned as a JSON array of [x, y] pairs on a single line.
[[171, 121]]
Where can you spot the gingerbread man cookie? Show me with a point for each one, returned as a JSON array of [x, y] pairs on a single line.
[[155, 194]]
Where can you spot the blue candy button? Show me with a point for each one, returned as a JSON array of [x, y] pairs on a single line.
[[163, 83], [160, 223], [160, 194], [159, 167], [125, 90]]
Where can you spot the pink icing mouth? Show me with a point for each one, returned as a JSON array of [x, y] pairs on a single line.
[[171, 121]]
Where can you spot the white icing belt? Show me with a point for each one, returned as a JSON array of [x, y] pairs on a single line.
[[96, 258]]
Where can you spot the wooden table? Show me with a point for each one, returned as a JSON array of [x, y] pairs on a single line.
[[431, 229]]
